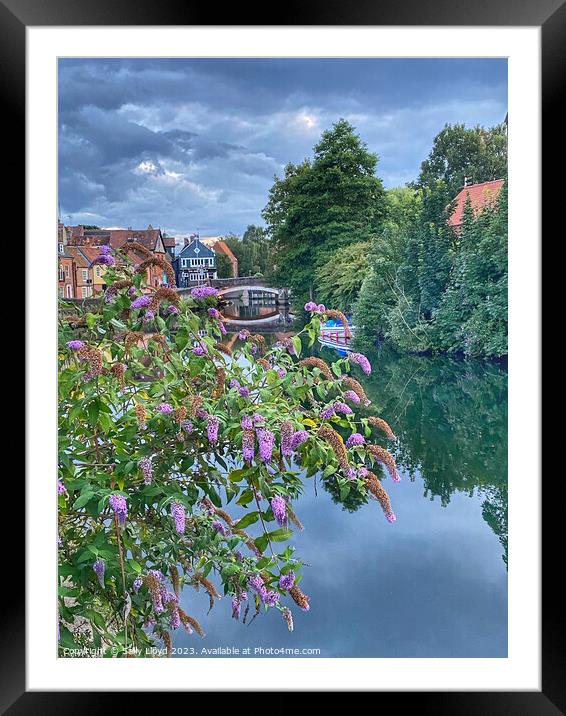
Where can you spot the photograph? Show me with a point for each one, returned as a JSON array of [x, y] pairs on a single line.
[[282, 288]]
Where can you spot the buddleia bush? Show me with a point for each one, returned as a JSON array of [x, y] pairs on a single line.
[[165, 421]]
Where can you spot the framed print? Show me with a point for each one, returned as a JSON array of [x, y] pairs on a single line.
[[289, 376]]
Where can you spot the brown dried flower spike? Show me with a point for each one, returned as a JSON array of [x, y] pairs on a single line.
[[317, 363]]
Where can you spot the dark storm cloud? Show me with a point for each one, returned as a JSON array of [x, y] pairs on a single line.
[[186, 143]]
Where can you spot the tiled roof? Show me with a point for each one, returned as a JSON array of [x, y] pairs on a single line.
[[480, 196], [169, 241], [196, 249], [80, 259], [222, 247]]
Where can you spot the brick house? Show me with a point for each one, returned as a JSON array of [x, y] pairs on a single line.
[[150, 238], [82, 274]]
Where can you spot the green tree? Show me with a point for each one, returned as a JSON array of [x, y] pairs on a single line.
[[458, 153], [223, 266], [338, 281], [322, 205], [472, 317]]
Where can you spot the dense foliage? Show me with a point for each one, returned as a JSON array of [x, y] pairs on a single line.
[[162, 426], [254, 252], [428, 287], [323, 205]]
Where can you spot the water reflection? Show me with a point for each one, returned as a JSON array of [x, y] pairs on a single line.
[[434, 583], [260, 310]]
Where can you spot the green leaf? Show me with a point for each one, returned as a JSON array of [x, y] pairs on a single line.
[[296, 341], [82, 500], [181, 338], [247, 520]]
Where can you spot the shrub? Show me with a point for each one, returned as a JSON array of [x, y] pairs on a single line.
[[162, 426]]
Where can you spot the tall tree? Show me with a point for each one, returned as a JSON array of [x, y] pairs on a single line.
[[322, 205], [475, 154]]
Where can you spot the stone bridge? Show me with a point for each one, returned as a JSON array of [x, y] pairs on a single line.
[[226, 286]]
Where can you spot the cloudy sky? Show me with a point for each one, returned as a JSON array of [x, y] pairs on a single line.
[[195, 144]]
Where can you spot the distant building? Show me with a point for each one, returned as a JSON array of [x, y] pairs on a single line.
[[150, 238], [65, 283], [195, 264], [169, 242], [219, 246], [480, 195]]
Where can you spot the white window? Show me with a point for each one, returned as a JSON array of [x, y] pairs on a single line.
[[61, 274], [85, 274], [69, 291], [86, 291], [67, 270]]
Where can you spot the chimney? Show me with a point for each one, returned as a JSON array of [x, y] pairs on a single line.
[[186, 241]]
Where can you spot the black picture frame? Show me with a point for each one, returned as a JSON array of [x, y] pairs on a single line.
[[550, 15]]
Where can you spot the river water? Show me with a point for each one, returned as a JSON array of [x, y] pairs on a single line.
[[434, 583]]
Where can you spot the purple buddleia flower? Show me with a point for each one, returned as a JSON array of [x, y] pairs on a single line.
[[254, 348], [75, 345], [120, 508], [212, 428], [340, 407], [286, 438], [243, 391], [149, 315], [61, 489], [287, 580], [299, 438], [390, 517], [222, 328], [132, 291], [221, 528], [246, 423], [175, 619], [248, 445], [147, 470], [187, 426], [310, 306], [109, 297], [201, 413], [351, 473], [236, 606], [269, 598], [200, 350], [105, 250], [105, 260], [213, 313], [281, 372], [256, 582], [165, 408], [242, 336], [363, 472], [149, 622], [321, 308], [350, 395], [234, 384], [258, 419], [355, 439], [327, 413], [361, 360], [178, 512], [265, 439], [141, 302], [279, 509], [99, 568], [204, 292], [173, 310], [136, 586]]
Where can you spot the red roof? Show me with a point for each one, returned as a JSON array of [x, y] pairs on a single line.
[[480, 196], [169, 241], [224, 249]]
